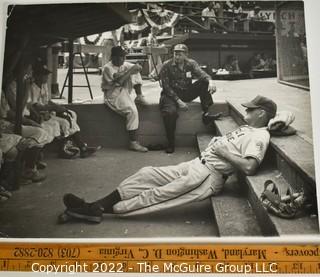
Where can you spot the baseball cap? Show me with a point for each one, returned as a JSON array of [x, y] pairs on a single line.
[[181, 47], [257, 7], [118, 51], [264, 103], [41, 69]]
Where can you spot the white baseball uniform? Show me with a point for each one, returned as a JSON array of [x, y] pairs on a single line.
[[38, 134], [117, 97], [156, 188], [50, 126], [41, 95]]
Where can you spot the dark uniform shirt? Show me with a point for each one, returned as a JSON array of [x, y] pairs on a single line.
[[174, 79]]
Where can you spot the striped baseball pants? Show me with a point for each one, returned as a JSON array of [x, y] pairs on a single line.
[[156, 188]]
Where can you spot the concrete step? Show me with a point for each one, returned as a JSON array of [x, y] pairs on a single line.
[[293, 156], [270, 225], [232, 211]]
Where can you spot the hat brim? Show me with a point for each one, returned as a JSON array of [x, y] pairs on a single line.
[[250, 105], [122, 54], [42, 72], [46, 71]]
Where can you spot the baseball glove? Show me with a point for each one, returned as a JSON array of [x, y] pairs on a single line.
[[286, 206]]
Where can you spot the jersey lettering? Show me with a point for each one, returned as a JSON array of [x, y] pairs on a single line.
[[242, 142], [231, 136]]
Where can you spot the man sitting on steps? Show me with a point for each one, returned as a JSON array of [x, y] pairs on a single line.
[[156, 188], [118, 79]]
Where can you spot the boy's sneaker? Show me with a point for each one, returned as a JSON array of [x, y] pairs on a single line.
[[88, 151], [4, 192], [3, 198], [140, 100], [136, 146], [34, 175], [23, 182], [3, 235], [41, 165]]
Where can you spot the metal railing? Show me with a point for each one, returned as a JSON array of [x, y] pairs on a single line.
[[234, 23]]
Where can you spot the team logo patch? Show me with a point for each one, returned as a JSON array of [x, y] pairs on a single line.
[[259, 146]]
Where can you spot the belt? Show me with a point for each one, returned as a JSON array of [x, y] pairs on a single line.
[[203, 161]]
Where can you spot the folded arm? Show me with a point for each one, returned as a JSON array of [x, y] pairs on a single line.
[[247, 165], [122, 77]]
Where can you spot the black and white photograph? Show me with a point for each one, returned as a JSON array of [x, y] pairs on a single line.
[[156, 120]]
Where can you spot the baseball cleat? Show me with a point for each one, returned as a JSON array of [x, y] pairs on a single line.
[[64, 218]]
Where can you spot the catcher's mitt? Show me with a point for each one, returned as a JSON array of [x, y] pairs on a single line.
[[286, 206]]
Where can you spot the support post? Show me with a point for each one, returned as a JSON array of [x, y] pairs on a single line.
[[19, 96], [49, 65], [70, 71], [54, 81]]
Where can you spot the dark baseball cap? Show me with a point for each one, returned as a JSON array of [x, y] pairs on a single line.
[[264, 103], [41, 69], [117, 51]]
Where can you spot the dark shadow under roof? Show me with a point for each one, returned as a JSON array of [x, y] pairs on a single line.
[[48, 23]]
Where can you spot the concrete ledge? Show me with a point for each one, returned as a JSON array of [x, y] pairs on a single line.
[[100, 125]]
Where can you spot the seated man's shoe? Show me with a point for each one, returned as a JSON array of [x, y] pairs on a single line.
[[140, 100], [23, 182], [208, 118], [41, 165], [89, 212], [170, 149], [136, 146], [155, 147], [4, 192], [3, 198], [34, 175], [3, 235], [88, 151]]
